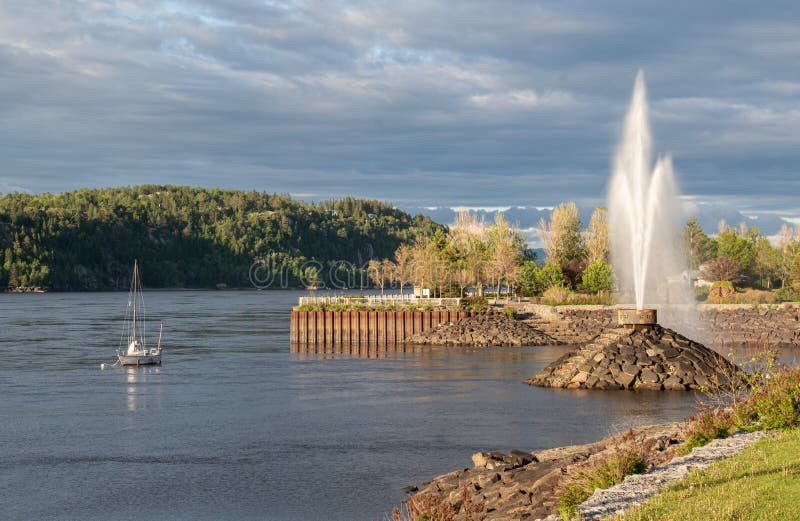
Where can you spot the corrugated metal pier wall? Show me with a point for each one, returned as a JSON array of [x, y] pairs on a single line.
[[371, 328]]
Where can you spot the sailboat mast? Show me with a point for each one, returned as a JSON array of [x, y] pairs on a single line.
[[135, 272]]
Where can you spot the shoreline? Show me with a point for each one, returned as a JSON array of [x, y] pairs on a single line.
[[525, 485]]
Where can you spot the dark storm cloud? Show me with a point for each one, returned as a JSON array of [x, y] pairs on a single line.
[[421, 102]]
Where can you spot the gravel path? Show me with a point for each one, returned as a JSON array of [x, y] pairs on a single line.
[[636, 489]]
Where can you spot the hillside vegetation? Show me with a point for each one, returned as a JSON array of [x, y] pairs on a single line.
[[188, 237]]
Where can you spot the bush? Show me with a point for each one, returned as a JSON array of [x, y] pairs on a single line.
[[721, 292], [754, 296], [603, 472], [510, 312], [707, 425], [598, 277], [700, 293], [773, 403], [555, 295], [601, 298], [549, 276], [477, 304], [788, 294]]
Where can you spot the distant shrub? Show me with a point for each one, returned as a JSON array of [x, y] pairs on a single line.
[[555, 295], [721, 292], [700, 293], [788, 294], [561, 296], [754, 296], [601, 298], [477, 304], [549, 276], [598, 277]]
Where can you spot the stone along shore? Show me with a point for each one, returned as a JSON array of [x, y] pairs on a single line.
[[484, 330], [525, 485], [651, 358]]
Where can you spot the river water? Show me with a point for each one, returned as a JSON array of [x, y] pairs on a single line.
[[235, 426]]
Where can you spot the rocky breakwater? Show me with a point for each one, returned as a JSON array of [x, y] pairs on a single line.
[[525, 485], [484, 330], [569, 324], [647, 358]]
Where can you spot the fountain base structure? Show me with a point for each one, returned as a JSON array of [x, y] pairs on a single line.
[[639, 354]]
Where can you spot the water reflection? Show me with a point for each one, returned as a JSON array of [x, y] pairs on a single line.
[[137, 390], [317, 352]]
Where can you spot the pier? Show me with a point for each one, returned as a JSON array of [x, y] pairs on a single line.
[[364, 328]]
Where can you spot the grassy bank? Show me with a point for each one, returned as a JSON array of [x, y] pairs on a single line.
[[761, 483]]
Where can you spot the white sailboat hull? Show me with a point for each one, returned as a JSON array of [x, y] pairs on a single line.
[[140, 359]]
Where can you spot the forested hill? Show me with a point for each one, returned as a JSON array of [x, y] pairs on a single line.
[[186, 237]]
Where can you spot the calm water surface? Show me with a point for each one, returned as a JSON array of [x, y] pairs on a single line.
[[234, 426]]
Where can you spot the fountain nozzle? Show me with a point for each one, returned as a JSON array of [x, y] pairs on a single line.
[[637, 318]]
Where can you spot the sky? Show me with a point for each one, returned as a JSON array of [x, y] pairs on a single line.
[[421, 103]]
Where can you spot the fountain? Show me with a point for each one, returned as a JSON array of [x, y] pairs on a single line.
[[644, 209], [644, 225]]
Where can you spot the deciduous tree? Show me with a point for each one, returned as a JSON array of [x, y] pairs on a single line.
[[595, 237], [722, 269], [561, 236]]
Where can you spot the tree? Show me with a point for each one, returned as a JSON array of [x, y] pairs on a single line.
[[505, 253], [467, 251], [596, 236], [738, 248], [561, 236], [312, 277], [598, 277], [527, 277], [767, 262], [699, 247], [550, 275], [404, 265], [380, 272], [796, 270], [787, 248], [722, 269]]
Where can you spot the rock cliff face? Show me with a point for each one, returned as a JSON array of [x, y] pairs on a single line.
[[524, 485], [484, 330], [650, 358]]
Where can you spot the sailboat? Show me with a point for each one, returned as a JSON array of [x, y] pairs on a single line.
[[137, 352]]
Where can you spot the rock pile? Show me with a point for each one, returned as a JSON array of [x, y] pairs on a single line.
[[570, 324], [484, 330], [654, 358], [524, 485]]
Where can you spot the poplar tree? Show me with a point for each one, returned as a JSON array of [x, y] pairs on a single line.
[[596, 237], [561, 236]]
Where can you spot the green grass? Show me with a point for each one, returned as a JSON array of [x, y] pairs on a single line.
[[760, 483]]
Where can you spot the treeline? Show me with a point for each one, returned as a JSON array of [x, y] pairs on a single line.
[[188, 237], [745, 258], [473, 255]]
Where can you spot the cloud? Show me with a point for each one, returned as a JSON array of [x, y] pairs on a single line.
[[501, 103]]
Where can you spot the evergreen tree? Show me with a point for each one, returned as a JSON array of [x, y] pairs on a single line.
[[698, 246]]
